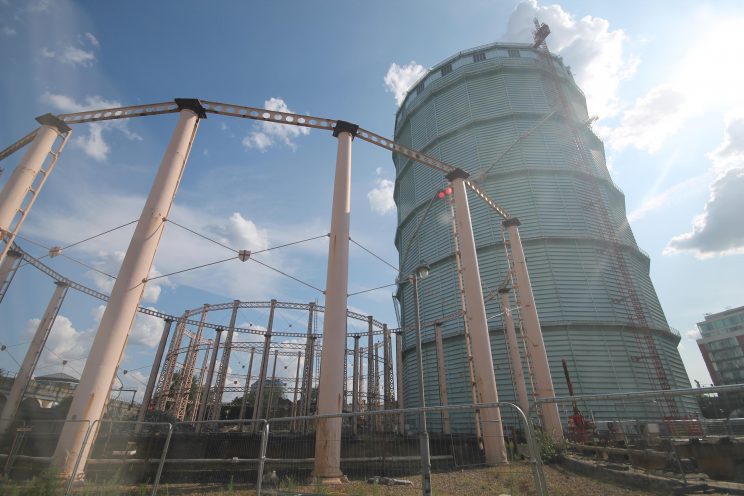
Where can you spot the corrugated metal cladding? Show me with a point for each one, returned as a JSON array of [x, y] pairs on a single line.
[[470, 118]]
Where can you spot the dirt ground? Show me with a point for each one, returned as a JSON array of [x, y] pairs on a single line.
[[512, 480]]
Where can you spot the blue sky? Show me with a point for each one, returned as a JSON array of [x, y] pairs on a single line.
[[665, 84]]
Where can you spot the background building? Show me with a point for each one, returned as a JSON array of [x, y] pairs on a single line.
[[722, 345], [512, 116]]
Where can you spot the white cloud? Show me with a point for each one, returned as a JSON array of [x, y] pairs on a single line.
[[381, 196], [693, 86], [595, 53], [693, 334], [730, 153], [400, 78], [65, 342], [146, 330], [267, 134], [92, 39], [83, 54], [93, 144], [8, 31], [718, 230], [651, 120]]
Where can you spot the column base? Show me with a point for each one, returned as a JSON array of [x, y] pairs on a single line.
[[332, 480]]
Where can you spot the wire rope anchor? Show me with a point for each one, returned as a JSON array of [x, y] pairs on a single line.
[[244, 255]]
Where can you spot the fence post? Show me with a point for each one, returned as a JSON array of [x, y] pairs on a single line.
[[262, 456], [156, 482], [537, 466], [72, 476]]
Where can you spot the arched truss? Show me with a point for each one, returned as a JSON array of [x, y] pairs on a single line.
[[186, 318]]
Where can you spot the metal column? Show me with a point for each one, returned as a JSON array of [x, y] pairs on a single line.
[[247, 388], [204, 402], [272, 389], [514, 351], [224, 363], [111, 337], [258, 401], [443, 400], [399, 386], [493, 436], [147, 398], [32, 357], [355, 387], [296, 389], [328, 436], [533, 333], [202, 376], [370, 370]]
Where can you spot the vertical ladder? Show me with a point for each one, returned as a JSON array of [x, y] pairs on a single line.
[[618, 266], [475, 396], [8, 237]]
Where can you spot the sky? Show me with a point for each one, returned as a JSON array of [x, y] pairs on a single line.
[[664, 83]]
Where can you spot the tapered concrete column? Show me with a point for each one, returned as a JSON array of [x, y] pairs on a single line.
[[399, 383], [514, 353], [258, 401], [204, 402], [443, 399], [330, 390], [116, 322], [475, 313], [20, 384], [147, 398], [533, 333], [22, 179], [247, 388]]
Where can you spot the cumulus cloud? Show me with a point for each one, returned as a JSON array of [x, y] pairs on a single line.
[[65, 342], [653, 118], [692, 86], [146, 330], [730, 153], [110, 262], [381, 196], [82, 54], [693, 334], [400, 78], [595, 53], [718, 230], [93, 144], [268, 134]]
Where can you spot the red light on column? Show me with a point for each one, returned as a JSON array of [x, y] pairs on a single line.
[[440, 195], [448, 190]]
